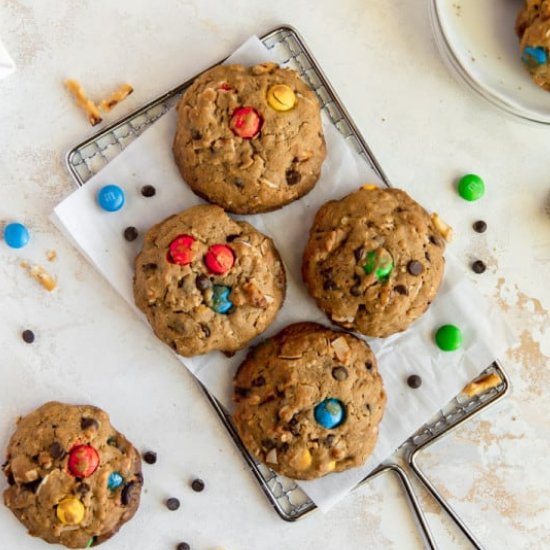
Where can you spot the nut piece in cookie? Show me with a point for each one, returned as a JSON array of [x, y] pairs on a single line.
[[249, 139], [73, 479], [374, 260], [207, 282], [309, 401]]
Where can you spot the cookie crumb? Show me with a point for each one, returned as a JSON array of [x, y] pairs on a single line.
[[51, 255]]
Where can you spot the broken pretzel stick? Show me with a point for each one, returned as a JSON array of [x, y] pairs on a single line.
[[115, 98], [84, 102], [482, 384]]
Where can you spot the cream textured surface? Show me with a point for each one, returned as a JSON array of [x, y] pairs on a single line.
[[425, 130]]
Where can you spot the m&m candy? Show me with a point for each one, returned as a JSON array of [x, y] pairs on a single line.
[[180, 251], [281, 97], [471, 187], [330, 413], [219, 259], [448, 338], [534, 56], [16, 235], [114, 481], [83, 461], [110, 198], [70, 511], [382, 266], [245, 122], [220, 299]]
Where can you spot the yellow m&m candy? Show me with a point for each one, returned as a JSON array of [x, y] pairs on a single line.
[[70, 511], [281, 97]]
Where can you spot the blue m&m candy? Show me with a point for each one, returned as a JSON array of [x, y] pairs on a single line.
[[533, 56], [110, 198], [220, 299], [115, 480], [16, 235], [330, 413]]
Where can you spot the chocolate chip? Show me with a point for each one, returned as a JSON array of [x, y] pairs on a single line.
[[56, 450], [231, 238], [183, 546], [139, 477], [355, 290], [28, 336], [293, 177], [150, 457], [480, 226], [434, 240], [149, 267], [32, 485], [284, 447], [202, 282], [478, 266], [339, 373], [83, 488], [205, 330], [401, 289], [259, 381], [172, 503], [131, 233], [148, 191], [237, 182], [86, 423], [293, 426], [197, 485], [329, 440], [358, 253], [268, 444], [195, 134], [368, 364], [126, 493], [415, 268], [414, 381], [11, 479], [329, 284], [243, 392]]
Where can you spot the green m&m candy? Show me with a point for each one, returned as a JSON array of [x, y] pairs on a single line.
[[448, 338], [471, 187], [383, 269]]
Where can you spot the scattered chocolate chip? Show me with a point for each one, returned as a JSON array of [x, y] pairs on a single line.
[[368, 364], [28, 336], [148, 191], [197, 485], [172, 503], [205, 330], [150, 457], [415, 268], [86, 423], [231, 238], [202, 282], [414, 381], [32, 485], [195, 134], [183, 546], [126, 493], [339, 373], [478, 266], [355, 290], [259, 381], [401, 289], [358, 253], [56, 450], [293, 177], [480, 226], [243, 392], [131, 233]]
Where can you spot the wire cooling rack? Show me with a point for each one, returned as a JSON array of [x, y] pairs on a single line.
[[289, 501]]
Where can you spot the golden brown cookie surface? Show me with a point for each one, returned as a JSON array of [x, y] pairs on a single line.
[[374, 261], [309, 401], [249, 139], [73, 479]]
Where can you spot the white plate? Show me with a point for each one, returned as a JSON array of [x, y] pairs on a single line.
[[478, 42]]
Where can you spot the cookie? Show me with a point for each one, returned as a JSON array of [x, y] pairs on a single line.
[[374, 261], [73, 479], [249, 139], [309, 401], [533, 29], [208, 282]]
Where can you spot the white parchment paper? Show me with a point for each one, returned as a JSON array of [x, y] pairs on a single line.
[[148, 160]]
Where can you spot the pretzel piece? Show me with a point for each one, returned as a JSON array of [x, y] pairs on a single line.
[[86, 104], [121, 93]]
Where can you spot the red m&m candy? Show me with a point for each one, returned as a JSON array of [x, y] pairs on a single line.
[[245, 122], [219, 259], [180, 251], [83, 461]]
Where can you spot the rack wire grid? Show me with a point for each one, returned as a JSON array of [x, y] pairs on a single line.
[[289, 501]]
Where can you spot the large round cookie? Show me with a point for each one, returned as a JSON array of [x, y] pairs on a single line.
[[249, 139], [309, 401], [73, 479], [208, 282], [374, 261], [533, 29]]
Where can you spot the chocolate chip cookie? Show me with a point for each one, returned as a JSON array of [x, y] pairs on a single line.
[[309, 401], [249, 139], [208, 282], [374, 261], [73, 479], [533, 29]]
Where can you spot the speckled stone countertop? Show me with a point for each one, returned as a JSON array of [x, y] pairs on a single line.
[[425, 130]]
